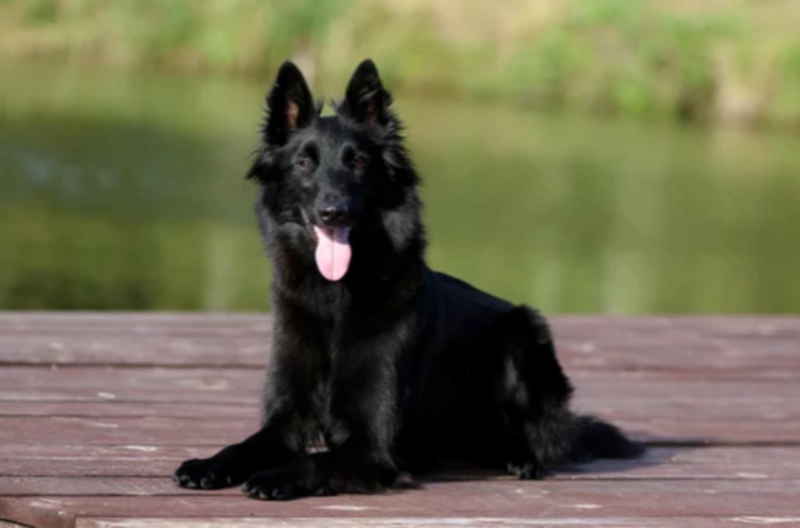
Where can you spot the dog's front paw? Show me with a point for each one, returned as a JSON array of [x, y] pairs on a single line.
[[278, 484], [526, 470], [206, 473]]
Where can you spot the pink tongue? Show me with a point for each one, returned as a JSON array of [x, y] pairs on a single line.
[[333, 251]]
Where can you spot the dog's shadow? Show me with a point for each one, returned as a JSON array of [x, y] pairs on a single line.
[[655, 462]]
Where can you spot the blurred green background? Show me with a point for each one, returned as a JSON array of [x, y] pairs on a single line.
[[612, 156]]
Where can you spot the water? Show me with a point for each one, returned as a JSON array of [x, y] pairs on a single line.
[[127, 192]]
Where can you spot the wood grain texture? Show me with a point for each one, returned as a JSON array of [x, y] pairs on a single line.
[[715, 344], [104, 431], [24, 466], [6, 524], [109, 407], [427, 522], [657, 406], [481, 499], [96, 410]]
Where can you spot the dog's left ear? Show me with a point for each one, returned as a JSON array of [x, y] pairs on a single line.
[[289, 104], [366, 100]]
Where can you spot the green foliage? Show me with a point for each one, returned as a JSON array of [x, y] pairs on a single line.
[[41, 11], [648, 57]]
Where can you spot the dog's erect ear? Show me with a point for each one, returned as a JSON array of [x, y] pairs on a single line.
[[289, 104], [366, 100]]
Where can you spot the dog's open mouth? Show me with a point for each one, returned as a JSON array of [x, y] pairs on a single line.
[[333, 251]]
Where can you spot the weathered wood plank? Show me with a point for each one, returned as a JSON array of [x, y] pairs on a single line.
[[138, 385], [48, 384], [131, 320], [712, 325], [96, 444], [149, 430], [81, 486], [172, 349], [679, 428], [5, 524], [427, 522], [515, 499], [775, 360], [199, 385], [86, 460], [112, 408], [749, 418], [736, 325], [718, 346], [24, 466], [655, 405]]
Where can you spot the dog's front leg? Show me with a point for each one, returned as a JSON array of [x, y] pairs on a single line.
[[354, 467], [363, 415], [235, 463], [286, 416], [279, 441]]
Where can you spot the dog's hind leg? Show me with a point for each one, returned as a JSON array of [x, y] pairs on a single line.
[[529, 393]]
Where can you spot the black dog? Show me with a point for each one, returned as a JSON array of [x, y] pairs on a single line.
[[385, 363]]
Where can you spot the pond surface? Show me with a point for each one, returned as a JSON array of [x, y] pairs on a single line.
[[127, 192]]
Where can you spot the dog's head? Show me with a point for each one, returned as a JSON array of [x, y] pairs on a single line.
[[333, 176]]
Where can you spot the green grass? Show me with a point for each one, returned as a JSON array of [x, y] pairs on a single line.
[[730, 60]]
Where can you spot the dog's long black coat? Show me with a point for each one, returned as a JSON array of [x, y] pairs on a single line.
[[394, 365]]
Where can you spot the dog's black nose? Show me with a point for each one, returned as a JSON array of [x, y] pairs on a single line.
[[333, 214]]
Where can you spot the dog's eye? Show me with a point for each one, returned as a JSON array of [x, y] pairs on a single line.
[[304, 163], [359, 162]]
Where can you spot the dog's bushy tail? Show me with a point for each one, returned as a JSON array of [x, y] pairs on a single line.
[[595, 439]]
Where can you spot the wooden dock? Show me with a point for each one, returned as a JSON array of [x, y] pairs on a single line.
[[97, 410]]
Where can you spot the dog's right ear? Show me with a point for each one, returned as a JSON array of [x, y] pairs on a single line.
[[366, 100], [289, 105]]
